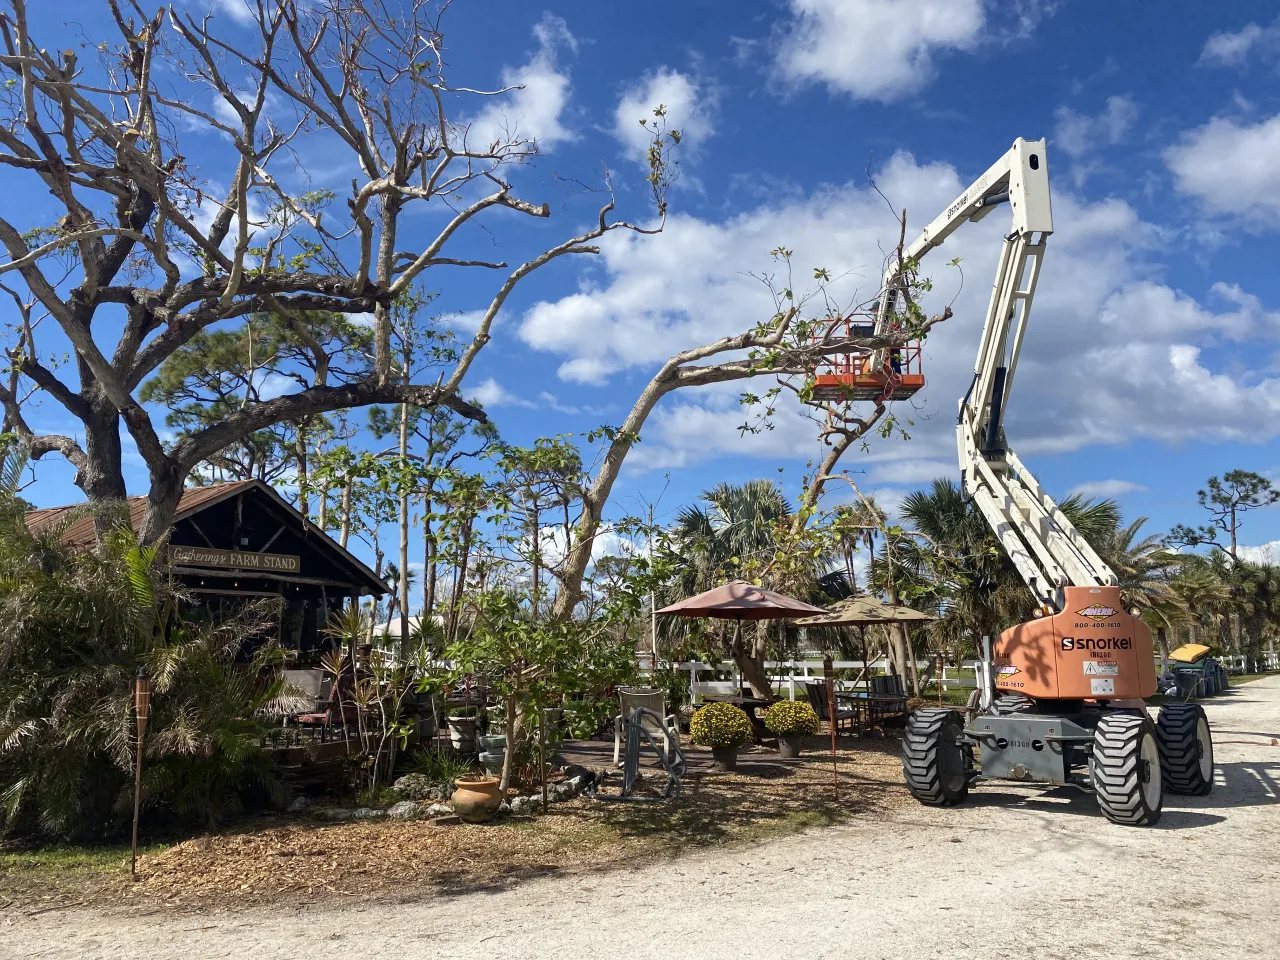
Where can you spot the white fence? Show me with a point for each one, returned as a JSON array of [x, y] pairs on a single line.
[[788, 675]]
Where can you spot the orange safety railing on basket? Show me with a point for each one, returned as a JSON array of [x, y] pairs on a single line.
[[893, 373]]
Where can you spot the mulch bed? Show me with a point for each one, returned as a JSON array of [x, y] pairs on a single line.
[[298, 859]]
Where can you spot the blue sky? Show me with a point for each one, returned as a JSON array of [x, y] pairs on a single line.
[[1151, 359]]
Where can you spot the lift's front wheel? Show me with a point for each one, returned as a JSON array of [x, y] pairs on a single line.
[[934, 760], [1186, 749], [1125, 769]]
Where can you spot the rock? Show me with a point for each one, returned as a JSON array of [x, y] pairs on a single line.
[[575, 784], [415, 786], [405, 810], [299, 805], [576, 771], [452, 820], [525, 805], [335, 813], [439, 810], [368, 813], [504, 807], [561, 791]]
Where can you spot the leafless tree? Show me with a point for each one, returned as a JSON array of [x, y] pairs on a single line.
[[164, 248]]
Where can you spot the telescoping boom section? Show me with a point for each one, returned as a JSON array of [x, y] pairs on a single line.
[[1047, 550]]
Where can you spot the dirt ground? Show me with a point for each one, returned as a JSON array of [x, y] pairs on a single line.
[[1014, 873]]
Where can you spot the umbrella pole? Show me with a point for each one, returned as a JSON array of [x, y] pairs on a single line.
[[828, 673], [737, 650], [866, 680]]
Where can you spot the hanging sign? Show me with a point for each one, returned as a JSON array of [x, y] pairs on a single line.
[[235, 559]]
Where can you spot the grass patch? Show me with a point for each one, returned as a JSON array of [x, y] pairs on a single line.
[[49, 875], [1238, 678]]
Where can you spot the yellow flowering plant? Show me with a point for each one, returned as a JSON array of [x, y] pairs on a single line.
[[791, 717], [720, 725]]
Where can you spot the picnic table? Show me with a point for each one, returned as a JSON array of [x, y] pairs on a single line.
[[747, 705]]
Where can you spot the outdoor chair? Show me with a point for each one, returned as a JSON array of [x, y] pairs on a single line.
[[666, 729], [887, 700], [817, 693], [320, 690]]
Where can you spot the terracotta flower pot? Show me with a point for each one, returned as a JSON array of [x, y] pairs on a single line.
[[789, 745], [724, 759], [476, 801]]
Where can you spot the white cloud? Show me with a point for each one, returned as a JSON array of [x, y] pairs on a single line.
[[1234, 49], [1107, 489], [1113, 353], [1264, 553], [535, 111], [1080, 134], [874, 49], [689, 110], [1232, 167], [490, 393], [241, 11]]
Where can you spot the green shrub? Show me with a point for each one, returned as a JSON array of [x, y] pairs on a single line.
[[721, 725], [791, 717], [435, 767], [76, 629]]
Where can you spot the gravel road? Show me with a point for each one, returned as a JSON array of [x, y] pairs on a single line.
[[1015, 873]]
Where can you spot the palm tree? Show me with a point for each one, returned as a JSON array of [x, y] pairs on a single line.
[[978, 591], [1144, 568], [1203, 593]]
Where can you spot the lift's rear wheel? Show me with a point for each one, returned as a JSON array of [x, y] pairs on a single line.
[[1186, 749], [934, 761], [1125, 769]]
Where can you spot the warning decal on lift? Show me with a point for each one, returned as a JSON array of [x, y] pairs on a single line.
[[1101, 688], [1101, 668]]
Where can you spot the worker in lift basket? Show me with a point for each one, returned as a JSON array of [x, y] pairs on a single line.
[[895, 360]]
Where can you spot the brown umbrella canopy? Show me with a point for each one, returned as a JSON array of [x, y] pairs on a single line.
[[864, 612], [740, 600]]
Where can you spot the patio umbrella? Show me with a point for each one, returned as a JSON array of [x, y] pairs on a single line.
[[739, 600], [862, 612]]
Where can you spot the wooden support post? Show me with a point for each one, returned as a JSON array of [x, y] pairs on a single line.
[[142, 710]]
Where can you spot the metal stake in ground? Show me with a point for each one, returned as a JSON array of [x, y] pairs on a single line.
[[142, 710], [828, 672]]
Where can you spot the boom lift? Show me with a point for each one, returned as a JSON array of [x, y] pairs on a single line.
[[1061, 695]]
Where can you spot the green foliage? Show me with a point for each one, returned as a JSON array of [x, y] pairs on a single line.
[[436, 767], [1226, 498], [78, 628], [720, 725], [791, 717]]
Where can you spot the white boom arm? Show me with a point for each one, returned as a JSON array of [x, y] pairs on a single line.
[[1047, 550]]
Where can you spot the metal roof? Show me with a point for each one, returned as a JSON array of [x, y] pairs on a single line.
[[79, 534]]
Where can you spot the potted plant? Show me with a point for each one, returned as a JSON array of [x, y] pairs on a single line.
[[724, 728], [493, 750], [791, 720], [462, 729], [476, 799]]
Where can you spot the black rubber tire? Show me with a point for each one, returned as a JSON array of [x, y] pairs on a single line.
[[1122, 776], [1011, 703], [1185, 739], [934, 762]]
